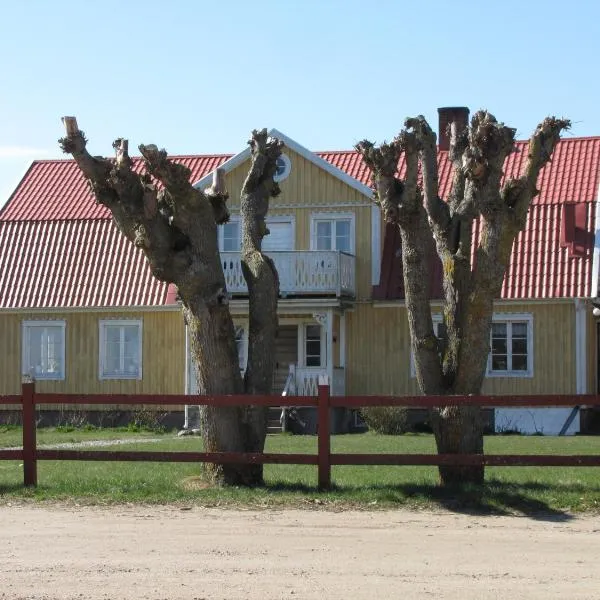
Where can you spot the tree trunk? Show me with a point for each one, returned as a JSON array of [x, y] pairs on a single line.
[[175, 225], [456, 364]]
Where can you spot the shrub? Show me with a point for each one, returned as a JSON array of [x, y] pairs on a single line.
[[388, 420]]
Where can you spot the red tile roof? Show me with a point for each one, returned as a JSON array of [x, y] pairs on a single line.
[[73, 263], [56, 189], [59, 248]]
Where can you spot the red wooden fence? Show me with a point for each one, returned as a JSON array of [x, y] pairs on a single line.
[[30, 454]]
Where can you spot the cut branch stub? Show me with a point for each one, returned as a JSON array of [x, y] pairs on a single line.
[[218, 196]]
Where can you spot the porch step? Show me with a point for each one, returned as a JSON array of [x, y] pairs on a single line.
[[273, 423]]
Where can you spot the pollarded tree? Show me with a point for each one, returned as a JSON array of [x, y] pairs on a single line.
[[175, 225], [472, 277]]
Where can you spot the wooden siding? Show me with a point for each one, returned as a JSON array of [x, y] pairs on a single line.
[[163, 353], [378, 351], [309, 189]]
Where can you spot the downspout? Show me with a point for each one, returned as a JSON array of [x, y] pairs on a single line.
[[580, 359], [187, 379]]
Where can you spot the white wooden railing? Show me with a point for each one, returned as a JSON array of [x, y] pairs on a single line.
[[307, 381], [303, 272]]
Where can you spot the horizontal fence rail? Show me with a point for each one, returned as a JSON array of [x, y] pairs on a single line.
[[324, 459]]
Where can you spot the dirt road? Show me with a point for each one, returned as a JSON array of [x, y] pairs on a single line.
[[155, 553]]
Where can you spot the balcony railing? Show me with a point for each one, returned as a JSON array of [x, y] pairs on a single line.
[[311, 272]]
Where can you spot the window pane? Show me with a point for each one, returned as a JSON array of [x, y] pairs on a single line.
[[342, 236], [131, 349], [498, 346], [121, 352], [498, 329], [313, 348], [312, 345], [519, 362], [519, 346], [313, 332], [113, 334], [499, 362], [519, 330], [239, 342], [231, 237], [323, 229], [44, 351]]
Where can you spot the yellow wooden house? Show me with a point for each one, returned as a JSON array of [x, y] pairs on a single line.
[[81, 313]]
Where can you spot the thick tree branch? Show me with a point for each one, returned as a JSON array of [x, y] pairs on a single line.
[[402, 203], [437, 209], [500, 227], [258, 269]]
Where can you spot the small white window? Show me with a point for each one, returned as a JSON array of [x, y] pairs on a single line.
[[120, 349], [241, 342], [44, 349], [229, 236], [313, 346], [438, 329], [284, 167], [333, 232], [511, 346]]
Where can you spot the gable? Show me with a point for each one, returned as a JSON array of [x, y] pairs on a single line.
[[308, 185]]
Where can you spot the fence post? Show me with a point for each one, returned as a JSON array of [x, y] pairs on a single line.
[[29, 434], [324, 433]]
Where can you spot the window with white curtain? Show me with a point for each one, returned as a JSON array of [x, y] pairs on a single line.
[[120, 349], [44, 349], [332, 232]]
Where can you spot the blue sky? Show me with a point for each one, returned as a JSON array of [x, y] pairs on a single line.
[[198, 76]]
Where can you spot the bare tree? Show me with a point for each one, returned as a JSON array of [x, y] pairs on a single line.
[[175, 225], [456, 364]]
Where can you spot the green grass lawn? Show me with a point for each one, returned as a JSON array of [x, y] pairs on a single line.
[[527, 490]]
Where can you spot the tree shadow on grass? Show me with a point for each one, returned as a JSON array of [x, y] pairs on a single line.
[[10, 488], [492, 498]]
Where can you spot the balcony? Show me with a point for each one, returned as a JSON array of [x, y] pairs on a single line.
[[304, 273]]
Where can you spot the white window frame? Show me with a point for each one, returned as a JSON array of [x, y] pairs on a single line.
[[287, 169], [302, 345], [243, 325], [496, 318], [26, 349], [221, 233], [437, 321], [102, 324], [526, 318], [283, 219], [270, 219], [329, 216]]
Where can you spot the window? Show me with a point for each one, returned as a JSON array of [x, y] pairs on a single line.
[[333, 232], [511, 346], [229, 237], [313, 346], [439, 329], [241, 342], [44, 349], [284, 166], [120, 349]]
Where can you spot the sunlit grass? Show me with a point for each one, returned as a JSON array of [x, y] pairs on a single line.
[[507, 489]]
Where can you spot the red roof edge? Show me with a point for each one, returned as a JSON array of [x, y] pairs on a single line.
[[17, 187]]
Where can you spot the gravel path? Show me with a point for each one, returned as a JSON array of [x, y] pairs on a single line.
[[58, 553], [90, 444]]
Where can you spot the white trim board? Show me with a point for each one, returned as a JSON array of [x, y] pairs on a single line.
[[244, 155], [596, 254]]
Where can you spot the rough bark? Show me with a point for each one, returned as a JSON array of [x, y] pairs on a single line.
[[262, 280], [175, 225], [457, 363]]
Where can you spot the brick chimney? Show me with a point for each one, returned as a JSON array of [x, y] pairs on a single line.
[[447, 115]]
